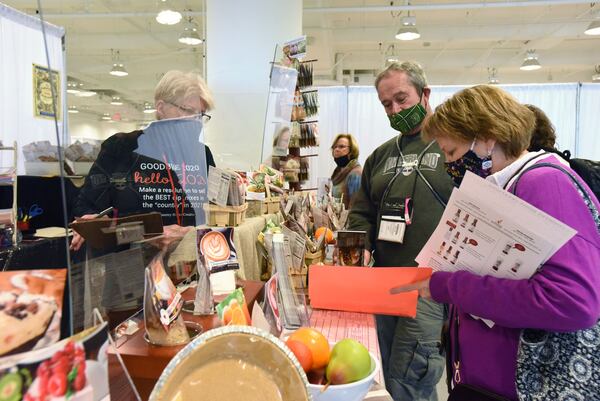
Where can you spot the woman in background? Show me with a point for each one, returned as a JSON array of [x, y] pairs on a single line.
[[346, 176]]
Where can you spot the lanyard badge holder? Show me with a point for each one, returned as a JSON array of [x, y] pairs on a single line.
[[395, 215]]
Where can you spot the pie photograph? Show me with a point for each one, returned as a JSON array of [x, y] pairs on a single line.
[[30, 309]]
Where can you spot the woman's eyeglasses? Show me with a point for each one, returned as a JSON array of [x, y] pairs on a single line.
[[191, 112], [340, 147]]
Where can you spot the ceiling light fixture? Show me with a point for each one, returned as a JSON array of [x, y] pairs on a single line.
[[190, 35], [106, 117], [594, 27], [531, 62], [596, 76], [493, 76], [116, 101], [408, 30], [73, 110], [148, 109], [118, 69], [86, 93], [390, 55], [166, 16], [72, 87]]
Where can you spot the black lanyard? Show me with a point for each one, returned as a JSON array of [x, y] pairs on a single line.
[[397, 172]]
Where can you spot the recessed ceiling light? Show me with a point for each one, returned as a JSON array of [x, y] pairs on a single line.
[[106, 117], [116, 101]]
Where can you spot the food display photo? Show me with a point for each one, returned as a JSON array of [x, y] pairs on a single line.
[[30, 309], [74, 369]]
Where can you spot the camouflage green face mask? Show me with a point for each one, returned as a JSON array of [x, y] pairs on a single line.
[[406, 120]]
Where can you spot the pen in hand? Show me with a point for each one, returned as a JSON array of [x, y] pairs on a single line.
[[105, 212]]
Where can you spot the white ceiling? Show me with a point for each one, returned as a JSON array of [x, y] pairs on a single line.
[[460, 40]]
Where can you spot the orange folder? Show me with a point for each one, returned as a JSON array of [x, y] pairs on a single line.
[[364, 289]]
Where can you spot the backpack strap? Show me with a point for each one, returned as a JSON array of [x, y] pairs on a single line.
[[580, 188]]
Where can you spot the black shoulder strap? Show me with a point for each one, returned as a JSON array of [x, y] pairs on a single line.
[[522, 168], [580, 188]]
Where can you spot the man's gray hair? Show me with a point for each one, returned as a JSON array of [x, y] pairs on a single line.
[[412, 69]]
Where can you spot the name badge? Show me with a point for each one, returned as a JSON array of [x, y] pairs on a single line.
[[391, 228]]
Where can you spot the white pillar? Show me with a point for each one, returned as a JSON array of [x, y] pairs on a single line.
[[241, 36]]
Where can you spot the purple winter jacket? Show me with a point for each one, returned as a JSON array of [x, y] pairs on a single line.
[[563, 296]]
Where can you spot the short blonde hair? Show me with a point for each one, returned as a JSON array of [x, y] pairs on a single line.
[[483, 112], [412, 69], [176, 85], [353, 145]]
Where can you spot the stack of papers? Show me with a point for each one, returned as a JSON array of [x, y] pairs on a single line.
[[489, 231]]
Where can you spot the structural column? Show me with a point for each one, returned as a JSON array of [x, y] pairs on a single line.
[[241, 36]]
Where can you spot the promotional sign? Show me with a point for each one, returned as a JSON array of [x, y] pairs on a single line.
[[173, 177]]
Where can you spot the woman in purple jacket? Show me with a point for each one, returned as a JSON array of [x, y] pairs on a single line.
[[486, 131]]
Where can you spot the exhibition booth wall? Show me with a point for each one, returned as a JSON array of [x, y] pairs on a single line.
[[25, 117]]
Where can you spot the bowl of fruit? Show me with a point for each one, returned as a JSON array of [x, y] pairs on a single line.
[[344, 371]]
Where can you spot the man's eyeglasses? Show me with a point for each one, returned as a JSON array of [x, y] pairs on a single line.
[[191, 112]]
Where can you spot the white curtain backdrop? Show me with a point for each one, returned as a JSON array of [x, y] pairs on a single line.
[[558, 101], [21, 46], [574, 112], [588, 141], [333, 120], [367, 120]]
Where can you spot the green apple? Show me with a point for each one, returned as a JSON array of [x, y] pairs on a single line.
[[350, 361]]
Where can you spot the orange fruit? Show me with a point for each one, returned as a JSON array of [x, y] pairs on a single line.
[[237, 317], [328, 235], [316, 342], [302, 353]]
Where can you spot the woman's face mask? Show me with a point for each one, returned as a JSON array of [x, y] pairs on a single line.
[[471, 162]]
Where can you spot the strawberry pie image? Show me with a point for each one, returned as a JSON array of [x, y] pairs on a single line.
[[62, 377]]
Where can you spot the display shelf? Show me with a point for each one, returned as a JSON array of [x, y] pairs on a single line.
[[145, 362], [12, 172]]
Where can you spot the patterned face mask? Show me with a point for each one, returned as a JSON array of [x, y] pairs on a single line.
[[471, 162], [406, 120]]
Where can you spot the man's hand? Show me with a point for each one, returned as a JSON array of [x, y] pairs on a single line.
[[171, 234], [421, 286], [78, 240]]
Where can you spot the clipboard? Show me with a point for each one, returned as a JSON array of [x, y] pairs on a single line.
[[364, 289], [96, 234]]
